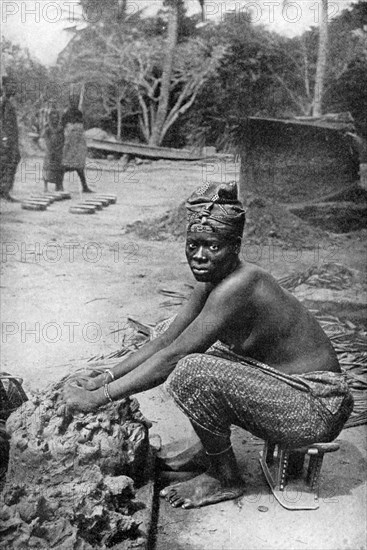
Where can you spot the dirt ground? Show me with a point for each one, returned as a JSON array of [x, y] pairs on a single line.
[[69, 283]]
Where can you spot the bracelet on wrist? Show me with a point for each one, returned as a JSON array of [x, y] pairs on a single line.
[[109, 372], [107, 393]]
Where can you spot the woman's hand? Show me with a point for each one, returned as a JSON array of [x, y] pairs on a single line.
[[78, 398], [91, 380], [90, 383]]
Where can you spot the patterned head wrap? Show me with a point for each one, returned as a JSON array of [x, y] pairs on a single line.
[[215, 208]]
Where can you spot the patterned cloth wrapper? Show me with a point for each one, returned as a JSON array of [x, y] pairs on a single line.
[[219, 388], [53, 136], [75, 147], [214, 207]]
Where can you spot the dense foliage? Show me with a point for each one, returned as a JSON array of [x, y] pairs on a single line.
[[220, 72]]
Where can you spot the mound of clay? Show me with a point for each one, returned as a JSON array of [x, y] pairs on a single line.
[[69, 482], [169, 226], [265, 221]]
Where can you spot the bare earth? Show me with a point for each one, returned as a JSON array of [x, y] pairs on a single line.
[[68, 284]]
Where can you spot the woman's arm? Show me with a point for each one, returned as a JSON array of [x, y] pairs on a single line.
[[200, 334], [185, 316]]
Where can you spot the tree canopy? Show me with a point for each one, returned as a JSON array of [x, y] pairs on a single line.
[[172, 79]]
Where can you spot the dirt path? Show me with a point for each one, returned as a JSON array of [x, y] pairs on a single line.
[[69, 282]]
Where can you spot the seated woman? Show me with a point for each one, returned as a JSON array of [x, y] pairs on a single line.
[[273, 372]]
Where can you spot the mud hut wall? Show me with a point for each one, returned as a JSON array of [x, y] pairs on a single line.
[[292, 162]]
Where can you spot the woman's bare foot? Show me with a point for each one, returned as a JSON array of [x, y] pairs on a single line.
[[202, 490], [222, 481]]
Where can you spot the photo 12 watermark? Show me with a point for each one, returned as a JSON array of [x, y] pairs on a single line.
[[257, 11], [52, 252], [70, 12], [32, 171], [270, 252], [269, 11], [52, 332]]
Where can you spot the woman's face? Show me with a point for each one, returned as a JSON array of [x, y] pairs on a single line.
[[210, 257]]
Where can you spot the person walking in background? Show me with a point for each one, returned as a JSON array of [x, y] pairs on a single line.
[[75, 147], [53, 135], [9, 139]]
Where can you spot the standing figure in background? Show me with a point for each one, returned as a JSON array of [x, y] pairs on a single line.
[[75, 147], [9, 140], [53, 135]]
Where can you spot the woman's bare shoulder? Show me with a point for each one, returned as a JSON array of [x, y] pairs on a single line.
[[250, 276]]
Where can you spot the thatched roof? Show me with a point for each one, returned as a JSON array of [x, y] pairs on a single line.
[[340, 122]]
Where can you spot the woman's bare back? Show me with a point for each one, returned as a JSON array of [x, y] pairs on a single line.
[[275, 328]]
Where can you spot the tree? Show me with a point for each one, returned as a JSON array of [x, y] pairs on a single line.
[[321, 61], [155, 77], [156, 135], [102, 71], [257, 76], [162, 120], [346, 83], [31, 77], [347, 39], [316, 108]]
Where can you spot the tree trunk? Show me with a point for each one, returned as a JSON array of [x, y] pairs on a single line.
[[119, 118], [202, 2], [321, 60], [156, 135]]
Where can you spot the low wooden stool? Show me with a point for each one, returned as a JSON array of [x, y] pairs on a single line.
[[280, 464]]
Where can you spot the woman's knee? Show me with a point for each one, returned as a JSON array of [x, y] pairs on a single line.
[[188, 373], [193, 364]]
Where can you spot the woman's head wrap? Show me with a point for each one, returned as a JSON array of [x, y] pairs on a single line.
[[215, 208]]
